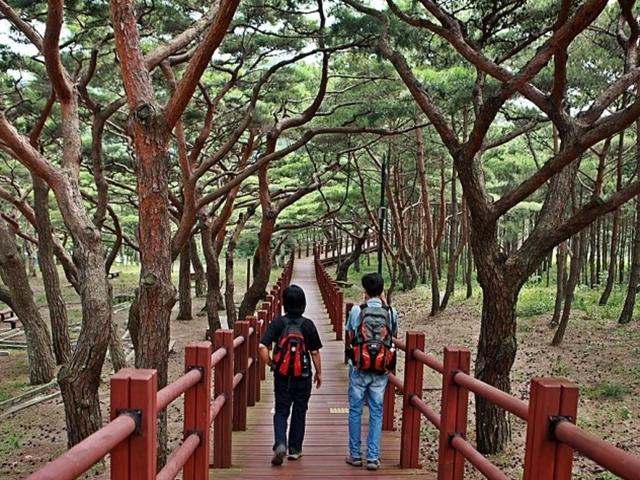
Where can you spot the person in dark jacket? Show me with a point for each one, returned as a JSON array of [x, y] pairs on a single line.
[[292, 390]]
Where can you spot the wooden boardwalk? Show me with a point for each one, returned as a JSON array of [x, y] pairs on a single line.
[[325, 444]]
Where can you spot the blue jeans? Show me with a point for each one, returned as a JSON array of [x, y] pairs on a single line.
[[372, 387]]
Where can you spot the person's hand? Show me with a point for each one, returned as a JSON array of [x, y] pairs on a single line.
[[317, 379]]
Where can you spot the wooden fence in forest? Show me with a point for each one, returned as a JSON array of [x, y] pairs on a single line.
[[550, 414], [234, 369]]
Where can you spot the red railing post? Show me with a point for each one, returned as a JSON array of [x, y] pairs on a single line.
[[254, 378], [223, 385], [262, 317], [410, 439], [197, 409], [241, 360], [135, 392], [271, 309], [545, 458], [453, 415], [334, 305], [339, 314]]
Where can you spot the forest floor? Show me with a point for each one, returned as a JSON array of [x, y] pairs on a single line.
[[597, 354], [32, 437]]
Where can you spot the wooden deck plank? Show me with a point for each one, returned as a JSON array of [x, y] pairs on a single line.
[[326, 437]]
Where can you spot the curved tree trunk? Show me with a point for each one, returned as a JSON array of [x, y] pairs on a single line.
[[57, 308], [263, 253], [116, 350], [453, 247], [497, 348], [343, 267], [561, 281], [31, 265], [634, 275], [615, 230], [229, 292], [275, 252], [577, 247], [201, 279], [213, 280], [592, 256], [14, 275], [613, 263], [468, 273], [5, 297], [184, 284], [428, 232]]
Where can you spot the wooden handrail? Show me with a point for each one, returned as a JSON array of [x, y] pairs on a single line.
[[429, 360], [82, 456], [179, 457], [552, 407], [484, 466], [614, 459], [494, 395], [429, 413], [133, 457], [217, 405], [218, 356], [175, 389]]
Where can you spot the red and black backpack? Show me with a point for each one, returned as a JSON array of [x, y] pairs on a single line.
[[290, 356], [372, 342]]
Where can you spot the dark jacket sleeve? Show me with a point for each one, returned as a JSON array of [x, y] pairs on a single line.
[[272, 333], [313, 338]]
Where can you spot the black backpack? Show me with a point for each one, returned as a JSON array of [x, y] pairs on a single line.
[[290, 356], [372, 343]]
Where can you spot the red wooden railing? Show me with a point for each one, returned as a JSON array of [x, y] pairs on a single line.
[[332, 295], [131, 435], [330, 251], [550, 413]]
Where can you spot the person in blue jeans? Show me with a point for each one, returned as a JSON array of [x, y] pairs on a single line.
[[367, 386]]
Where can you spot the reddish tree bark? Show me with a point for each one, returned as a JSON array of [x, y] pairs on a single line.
[[50, 279], [615, 230], [14, 275], [428, 224], [184, 285]]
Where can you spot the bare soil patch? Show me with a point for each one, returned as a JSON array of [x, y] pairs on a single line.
[[32, 437], [597, 354]]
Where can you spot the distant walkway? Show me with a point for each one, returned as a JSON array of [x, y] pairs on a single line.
[[325, 445]]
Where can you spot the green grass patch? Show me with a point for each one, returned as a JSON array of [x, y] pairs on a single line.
[[607, 476], [10, 439], [11, 388], [602, 391], [524, 327], [535, 300], [560, 368]]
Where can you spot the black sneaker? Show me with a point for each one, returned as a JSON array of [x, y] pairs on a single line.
[[294, 454], [373, 464], [354, 461], [278, 455]]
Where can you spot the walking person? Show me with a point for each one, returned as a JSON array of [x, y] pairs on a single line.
[[371, 327], [297, 345]]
